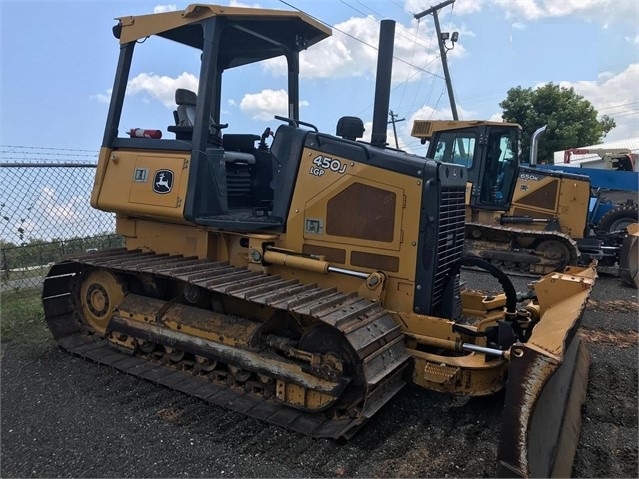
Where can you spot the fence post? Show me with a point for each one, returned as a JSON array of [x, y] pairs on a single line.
[[5, 266]]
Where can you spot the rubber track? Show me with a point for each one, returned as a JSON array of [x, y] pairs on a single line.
[[370, 329], [505, 234]]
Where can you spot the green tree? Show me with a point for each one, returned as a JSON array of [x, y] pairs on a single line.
[[571, 119]]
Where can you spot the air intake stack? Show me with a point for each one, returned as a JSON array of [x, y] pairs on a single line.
[[383, 82]]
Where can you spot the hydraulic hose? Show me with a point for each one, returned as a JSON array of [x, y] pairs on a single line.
[[506, 284]]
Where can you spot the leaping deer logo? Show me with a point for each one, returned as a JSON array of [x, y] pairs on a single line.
[[163, 181]]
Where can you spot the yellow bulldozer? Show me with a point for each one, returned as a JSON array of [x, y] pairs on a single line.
[[306, 281], [523, 218]]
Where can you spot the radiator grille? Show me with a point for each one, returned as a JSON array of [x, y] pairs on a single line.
[[450, 241]]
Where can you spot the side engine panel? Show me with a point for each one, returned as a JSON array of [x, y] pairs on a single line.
[[357, 216], [377, 214], [543, 194]]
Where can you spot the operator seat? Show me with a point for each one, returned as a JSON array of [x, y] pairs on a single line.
[[185, 119], [185, 113], [245, 182]]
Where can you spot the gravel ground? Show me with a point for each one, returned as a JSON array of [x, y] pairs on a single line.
[[64, 417]]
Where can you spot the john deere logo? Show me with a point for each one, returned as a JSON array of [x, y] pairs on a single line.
[[163, 181]]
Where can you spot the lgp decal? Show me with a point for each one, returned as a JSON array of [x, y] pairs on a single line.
[[322, 163], [163, 181]]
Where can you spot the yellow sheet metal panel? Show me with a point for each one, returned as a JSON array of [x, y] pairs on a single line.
[[356, 208], [103, 162], [468, 375], [153, 185], [547, 196], [141, 183], [164, 237]]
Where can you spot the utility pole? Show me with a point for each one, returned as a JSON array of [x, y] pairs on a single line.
[[441, 39], [393, 121]]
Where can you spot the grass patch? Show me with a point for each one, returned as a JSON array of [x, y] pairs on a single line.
[[22, 319]]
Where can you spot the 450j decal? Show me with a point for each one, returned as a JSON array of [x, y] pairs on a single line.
[[322, 163]]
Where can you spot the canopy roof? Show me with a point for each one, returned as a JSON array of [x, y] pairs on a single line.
[[249, 35]]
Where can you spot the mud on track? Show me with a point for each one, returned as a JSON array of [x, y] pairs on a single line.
[[64, 417]]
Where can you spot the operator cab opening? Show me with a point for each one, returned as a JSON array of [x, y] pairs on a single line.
[[179, 105], [489, 154]]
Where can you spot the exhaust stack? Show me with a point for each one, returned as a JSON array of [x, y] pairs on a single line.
[[383, 82], [534, 144]]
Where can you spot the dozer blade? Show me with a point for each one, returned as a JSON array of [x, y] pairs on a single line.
[[547, 380], [629, 257]]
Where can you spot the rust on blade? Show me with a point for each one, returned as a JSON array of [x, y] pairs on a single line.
[[548, 378]]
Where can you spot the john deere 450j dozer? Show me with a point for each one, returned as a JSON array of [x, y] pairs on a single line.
[[304, 283]]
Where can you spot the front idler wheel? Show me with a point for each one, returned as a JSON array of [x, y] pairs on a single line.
[[100, 294]]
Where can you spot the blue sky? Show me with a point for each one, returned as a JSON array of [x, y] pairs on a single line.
[[58, 61]]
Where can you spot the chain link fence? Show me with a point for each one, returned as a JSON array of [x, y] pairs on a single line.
[[46, 214]]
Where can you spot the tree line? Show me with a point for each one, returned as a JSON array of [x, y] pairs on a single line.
[[39, 252]]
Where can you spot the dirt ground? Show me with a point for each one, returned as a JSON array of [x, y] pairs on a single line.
[[64, 417]]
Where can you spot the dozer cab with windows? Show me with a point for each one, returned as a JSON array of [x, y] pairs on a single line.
[[520, 217], [305, 282]]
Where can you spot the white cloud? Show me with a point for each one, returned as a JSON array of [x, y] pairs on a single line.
[[426, 112], [234, 3], [601, 11], [161, 87], [615, 95], [338, 56], [352, 52], [267, 103], [103, 97], [368, 127], [496, 117], [164, 8], [390, 136]]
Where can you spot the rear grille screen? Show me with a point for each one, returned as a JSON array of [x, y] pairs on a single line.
[[450, 241]]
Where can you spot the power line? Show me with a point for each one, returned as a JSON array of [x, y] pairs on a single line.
[[625, 113], [411, 65], [357, 39], [351, 6], [399, 27], [412, 57], [618, 106]]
